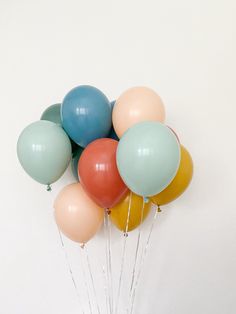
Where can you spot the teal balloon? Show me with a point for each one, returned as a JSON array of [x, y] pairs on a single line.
[[44, 151], [112, 134], [74, 162], [86, 114], [148, 158], [53, 114]]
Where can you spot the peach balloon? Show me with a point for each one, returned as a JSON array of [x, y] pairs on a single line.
[[135, 105], [76, 215]]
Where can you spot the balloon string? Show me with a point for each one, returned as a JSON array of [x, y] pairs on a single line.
[[85, 279], [123, 254], [144, 254], [70, 269], [92, 279], [137, 250], [107, 264], [105, 287], [109, 260]]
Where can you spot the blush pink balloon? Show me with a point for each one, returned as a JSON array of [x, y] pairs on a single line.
[[135, 105], [76, 215]]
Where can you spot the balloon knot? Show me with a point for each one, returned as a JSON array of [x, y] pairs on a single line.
[[108, 211], [158, 209], [82, 245], [146, 199], [126, 234], [49, 189]]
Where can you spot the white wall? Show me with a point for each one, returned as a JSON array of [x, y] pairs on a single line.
[[186, 51]]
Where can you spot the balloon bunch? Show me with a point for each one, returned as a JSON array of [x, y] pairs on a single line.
[[123, 157]]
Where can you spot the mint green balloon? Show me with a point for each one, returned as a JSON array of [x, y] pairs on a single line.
[[148, 157], [44, 151]]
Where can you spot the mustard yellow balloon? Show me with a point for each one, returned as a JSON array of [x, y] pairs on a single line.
[[119, 213], [179, 183]]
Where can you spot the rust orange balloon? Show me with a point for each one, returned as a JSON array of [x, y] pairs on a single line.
[[179, 183], [119, 213], [99, 175]]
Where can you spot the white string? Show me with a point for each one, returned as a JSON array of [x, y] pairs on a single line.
[[109, 262], [70, 269], [144, 254], [105, 287], [91, 278], [137, 250], [107, 265], [123, 254], [85, 279]]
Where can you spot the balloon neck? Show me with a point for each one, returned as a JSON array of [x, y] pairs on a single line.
[[146, 199], [158, 209], [49, 188], [82, 245], [108, 211]]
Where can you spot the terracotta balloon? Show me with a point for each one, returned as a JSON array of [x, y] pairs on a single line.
[[135, 105], [179, 183], [119, 213], [76, 215], [99, 175]]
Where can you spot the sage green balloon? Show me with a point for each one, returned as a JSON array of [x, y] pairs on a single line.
[[53, 114], [44, 151], [148, 157]]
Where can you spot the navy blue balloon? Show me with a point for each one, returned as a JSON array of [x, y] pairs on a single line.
[[112, 133], [86, 114]]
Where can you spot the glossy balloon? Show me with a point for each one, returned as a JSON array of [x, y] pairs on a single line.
[[86, 114], [74, 162], [180, 182], [53, 114], [112, 133], [148, 157], [135, 105], [44, 151], [99, 175], [138, 212], [76, 215]]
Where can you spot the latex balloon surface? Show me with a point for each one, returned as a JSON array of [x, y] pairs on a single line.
[[53, 114], [135, 105], [99, 175], [44, 151], [86, 114], [76, 215], [148, 158], [133, 206], [112, 133], [75, 161], [180, 182]]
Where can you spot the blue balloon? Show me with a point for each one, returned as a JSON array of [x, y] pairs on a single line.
[[86, 114], [112, 133]]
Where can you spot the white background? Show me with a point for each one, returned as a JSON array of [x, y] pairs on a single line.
[[183, 49]]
